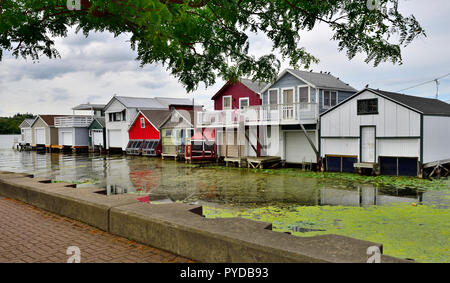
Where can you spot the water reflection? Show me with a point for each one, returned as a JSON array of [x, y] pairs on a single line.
[[170, 181], [363, 196]]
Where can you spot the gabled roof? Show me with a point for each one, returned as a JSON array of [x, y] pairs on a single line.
[[150, 103], [426, 106], [89, 106], [318, 80], [187, 116], [255, 86], [27, 123], [48, 119], [155, 117], [100, 120]]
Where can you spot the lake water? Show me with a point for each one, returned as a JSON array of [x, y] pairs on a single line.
[[7, 141], [291, 203], [169, 181]]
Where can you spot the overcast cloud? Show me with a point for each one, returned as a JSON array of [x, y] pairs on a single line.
[[93, 69]]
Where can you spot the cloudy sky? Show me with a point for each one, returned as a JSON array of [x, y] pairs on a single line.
[[93, 69]]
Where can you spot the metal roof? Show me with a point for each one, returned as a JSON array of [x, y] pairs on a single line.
[[27, 123], [255, 86], [187, 116], [152, 102], [156, 117], [101, 121], [89, 106], [322, 80]]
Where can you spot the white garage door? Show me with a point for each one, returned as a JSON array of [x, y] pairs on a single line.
[[97, 137], [40, 136], [115, 138], [67, 138], [298, 149]]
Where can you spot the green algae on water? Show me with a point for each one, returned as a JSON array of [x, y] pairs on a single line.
[[406, 231]]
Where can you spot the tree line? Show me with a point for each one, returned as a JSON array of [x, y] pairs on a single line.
[[10, 125]]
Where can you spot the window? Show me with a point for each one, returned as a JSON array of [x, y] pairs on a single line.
[[288, 96], [168, 133], [273, 96], [226, 103], [142, 123], [303, 94], [243, 103], [368, 106], [329, 98], [124, 116]]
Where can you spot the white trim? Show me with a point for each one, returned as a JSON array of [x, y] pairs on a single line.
[[244, 98], [39, 117], [309, 92], [293, 94], [278, 95], [223, 102], [135, 118]]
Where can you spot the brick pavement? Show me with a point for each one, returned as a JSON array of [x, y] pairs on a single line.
[[29, 234]]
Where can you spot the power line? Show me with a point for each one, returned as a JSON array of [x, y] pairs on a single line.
[[436, 80]]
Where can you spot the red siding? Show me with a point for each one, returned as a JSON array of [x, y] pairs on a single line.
[[237, 90], [148, 133]]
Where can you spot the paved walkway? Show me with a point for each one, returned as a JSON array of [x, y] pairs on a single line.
[[29, 234]]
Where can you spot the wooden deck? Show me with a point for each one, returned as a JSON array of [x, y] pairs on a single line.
[[363, 167], [263, 162], [240, 161], [176, 156]]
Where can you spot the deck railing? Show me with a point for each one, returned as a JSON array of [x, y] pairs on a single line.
[[278, 114], [73, 121]]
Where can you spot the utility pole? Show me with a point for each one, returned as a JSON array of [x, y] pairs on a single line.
[[437, 88]]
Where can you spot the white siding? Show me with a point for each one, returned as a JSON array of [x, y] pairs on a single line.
[[123, 126], [340, 146], [392, 122], [398, 147], [298, 149], [273, 142], [436, 138]]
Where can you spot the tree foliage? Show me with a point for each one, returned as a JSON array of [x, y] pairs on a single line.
[[10, 125], [199, 39]]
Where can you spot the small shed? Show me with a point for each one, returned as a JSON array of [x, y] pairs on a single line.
[[26, 132], [176, 134], [144, 132], [44, 134], [97, 133], [73, 132], [392, 133]]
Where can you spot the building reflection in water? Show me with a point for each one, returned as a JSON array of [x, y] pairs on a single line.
[[362, 196]]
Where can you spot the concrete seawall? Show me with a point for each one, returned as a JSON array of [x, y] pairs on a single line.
[[181, 228]]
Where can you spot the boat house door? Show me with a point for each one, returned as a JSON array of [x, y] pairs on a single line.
[[368, 144]]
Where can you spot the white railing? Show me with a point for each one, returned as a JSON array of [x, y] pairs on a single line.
[[279, 114], [73, 121]]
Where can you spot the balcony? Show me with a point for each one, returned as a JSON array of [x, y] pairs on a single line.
[[278, 114], [73, 121]]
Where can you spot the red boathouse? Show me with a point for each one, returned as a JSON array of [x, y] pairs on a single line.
[[144, 132]]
